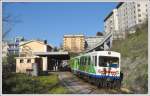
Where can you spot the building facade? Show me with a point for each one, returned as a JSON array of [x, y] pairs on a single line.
[[90, 42], [111, 23], [124, 18], [27, 57], [74, 43], [13, 46]]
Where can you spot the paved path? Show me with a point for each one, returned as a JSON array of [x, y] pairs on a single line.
[[79, 86]]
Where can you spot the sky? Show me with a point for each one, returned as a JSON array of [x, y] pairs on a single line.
[[50, 21]]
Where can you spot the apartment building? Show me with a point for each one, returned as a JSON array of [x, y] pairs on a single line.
[[13, 45], [111, 23], [125, 17], [91, 41], [74, 43]]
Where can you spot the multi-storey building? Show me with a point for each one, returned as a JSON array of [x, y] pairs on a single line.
[[90, 42], [13, 46], [74, 43], [111, 23], [131, 14], [125, 17]]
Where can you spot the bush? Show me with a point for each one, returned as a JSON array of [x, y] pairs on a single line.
[[24, 84]]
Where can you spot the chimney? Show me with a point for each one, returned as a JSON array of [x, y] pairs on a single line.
[[45, 41]]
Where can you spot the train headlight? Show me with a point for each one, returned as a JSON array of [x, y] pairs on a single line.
[[109, 52]]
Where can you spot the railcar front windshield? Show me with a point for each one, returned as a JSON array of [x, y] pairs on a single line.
[[105, 61]]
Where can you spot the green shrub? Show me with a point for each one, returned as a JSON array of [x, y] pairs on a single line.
[[134, 62], [22, 83]]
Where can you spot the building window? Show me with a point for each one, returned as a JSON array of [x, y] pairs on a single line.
[[140, 20], [138, 5], [28, 60], [134, 16], [21, 60], [139, 15], [134, 11], [95, 60], [139, 10]]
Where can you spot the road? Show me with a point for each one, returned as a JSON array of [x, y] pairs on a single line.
[[78, 86]]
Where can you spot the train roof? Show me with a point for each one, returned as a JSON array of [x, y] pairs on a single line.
[[103, 53]]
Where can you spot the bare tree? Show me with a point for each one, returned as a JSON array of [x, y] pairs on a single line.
[[55, 49], [8, 21], [99, 34]]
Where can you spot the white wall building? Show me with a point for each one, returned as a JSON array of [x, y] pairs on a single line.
[[124, 17], [111, 23], [92, 41]]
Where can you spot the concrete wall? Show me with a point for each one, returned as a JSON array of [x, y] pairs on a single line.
[[92, 41], [22, 66]]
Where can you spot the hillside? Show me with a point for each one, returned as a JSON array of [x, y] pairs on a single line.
[[134, 64]]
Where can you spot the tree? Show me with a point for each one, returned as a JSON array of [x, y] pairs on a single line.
[[8, 21], [55, 49], [99, 34], [61, 46]]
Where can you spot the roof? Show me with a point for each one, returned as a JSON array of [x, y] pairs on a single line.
[[108, 16], [42, 42], [56, 55], [51, 53], [119, 4], [103, 53], [80, 35], [95, 37]]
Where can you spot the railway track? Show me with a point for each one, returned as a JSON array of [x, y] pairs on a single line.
[[78, 86]]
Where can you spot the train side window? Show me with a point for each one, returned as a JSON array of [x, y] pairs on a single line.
[[80, 61], [83, 60], [89, 60], [95, 60]]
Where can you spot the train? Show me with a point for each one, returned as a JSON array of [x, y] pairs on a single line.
[[101, 68]]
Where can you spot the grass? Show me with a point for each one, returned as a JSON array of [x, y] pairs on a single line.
[[24, 84]]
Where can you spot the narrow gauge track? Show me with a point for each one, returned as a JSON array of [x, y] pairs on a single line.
[[78, 86]]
